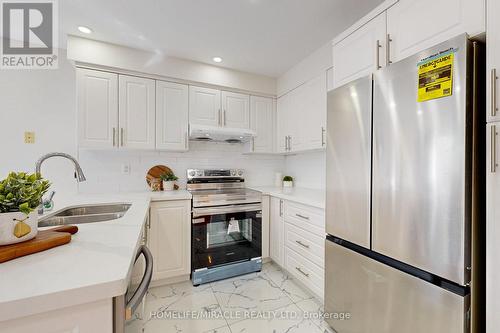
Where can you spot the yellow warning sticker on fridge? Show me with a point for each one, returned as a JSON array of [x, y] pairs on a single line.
[[435, 77]]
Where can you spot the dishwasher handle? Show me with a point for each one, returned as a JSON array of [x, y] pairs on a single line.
[[138, 295]]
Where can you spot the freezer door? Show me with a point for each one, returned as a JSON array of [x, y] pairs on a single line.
[[421, 182], [364, 295], [348, 161]]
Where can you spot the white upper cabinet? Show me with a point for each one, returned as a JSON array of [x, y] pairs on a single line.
[[212, 107], [97, 101], [137, 112], [493, 59], [172, 106], [360, 53], [413, 26], [282, 120], [235, 110], [262, 120], [314, 122], [205, 106], [301, 117]]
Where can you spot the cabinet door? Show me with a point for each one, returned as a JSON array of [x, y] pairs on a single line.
[[493, 59], [276, 231], [283, 114], [493, 227], [297, 114], [97, 102], [235, 110], [204, 106], [413, 26], [172, 103], [360, 53], [137, 112], [170, 237], [313, 118], [262, 117]]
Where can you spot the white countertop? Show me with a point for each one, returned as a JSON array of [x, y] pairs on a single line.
[[95, 265], [310, 197]]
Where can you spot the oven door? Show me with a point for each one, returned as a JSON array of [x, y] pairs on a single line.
[[225, 234]]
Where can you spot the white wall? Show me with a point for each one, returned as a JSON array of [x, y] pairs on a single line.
[[104, 168], [116, 56], [42, 101], [307, 169]]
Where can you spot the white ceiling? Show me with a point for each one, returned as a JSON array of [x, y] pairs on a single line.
[[259, 36]]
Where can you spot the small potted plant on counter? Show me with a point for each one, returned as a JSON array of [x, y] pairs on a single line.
[[168, 180], [20, 195], [287, 181]]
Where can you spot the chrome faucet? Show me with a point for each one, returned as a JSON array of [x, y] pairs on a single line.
[[80, 177]]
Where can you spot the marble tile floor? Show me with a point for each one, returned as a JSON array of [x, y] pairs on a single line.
[[265, 302]]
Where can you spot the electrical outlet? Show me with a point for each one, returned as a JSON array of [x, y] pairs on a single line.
[[126, 169], [29, 137]]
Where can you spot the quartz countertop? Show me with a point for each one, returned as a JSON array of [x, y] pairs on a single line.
[[95, 265], [310, 197]]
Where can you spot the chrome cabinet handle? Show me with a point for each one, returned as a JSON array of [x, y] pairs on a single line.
[[388, 49], [224, 118], [302, 216], [138, 295], [494, 79], [322, 136], [493, 147], [379, 46], [302, 244], [286, 142], [186, 140], [302, 272], [121, 136], [253, 145], [289, 143], [114, 136], [281, 208]]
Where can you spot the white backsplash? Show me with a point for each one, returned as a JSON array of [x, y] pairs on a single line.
[[104, 169], [307, 169]]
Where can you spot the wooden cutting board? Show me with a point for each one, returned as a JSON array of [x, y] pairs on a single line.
[[154, 175], [44, 240]]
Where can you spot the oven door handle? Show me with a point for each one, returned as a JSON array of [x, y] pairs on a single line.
[[208, 211], [141, 290]]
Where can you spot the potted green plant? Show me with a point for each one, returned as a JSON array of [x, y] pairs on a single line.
[[288, 181], [20, 195], [168, 180]]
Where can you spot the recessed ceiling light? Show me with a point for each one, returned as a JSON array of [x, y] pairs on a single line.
[[84, 29], [217, 59]]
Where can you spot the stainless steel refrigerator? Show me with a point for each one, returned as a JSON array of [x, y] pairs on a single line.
[[404, 208]]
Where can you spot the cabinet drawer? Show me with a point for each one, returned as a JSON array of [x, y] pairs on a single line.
[[306, 244], [305, 217], [311, 275]]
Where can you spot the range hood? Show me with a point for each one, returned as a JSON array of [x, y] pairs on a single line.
[[219, 134]]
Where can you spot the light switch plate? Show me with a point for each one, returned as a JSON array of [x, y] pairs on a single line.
[[29, 137]]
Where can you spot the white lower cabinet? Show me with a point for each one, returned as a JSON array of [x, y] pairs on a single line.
[[276, 232], [297, 242], [85, 318], [170, 238]]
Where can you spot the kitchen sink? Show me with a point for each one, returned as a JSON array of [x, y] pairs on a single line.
[[85, 214]]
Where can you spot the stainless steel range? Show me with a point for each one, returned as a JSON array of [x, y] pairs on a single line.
[[226, 232]]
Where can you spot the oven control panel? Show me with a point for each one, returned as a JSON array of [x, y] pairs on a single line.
[[214, 173]]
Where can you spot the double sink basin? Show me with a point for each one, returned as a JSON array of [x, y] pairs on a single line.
[[85, 214]]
